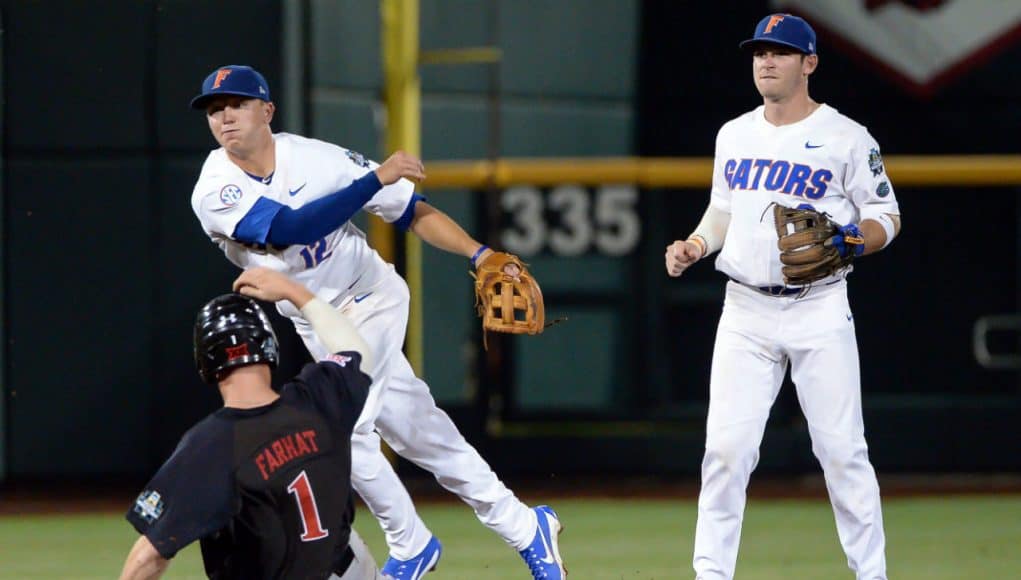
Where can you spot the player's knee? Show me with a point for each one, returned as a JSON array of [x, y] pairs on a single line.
[[731, 455], [841, 456]]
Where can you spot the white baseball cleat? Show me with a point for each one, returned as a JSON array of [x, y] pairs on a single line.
[[543, 554], [417, 566]]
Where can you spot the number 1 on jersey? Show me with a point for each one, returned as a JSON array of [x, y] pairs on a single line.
[[302, 491]]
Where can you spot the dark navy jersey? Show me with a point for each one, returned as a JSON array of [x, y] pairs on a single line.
[[266, 490]]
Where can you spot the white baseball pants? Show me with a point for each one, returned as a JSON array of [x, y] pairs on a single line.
[[757, 336], [401, 409]]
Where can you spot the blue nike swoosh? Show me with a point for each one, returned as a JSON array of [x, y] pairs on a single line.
[[362, 297], [295, 192], [808, 145]]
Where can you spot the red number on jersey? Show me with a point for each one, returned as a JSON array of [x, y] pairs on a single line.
[[302, 491]]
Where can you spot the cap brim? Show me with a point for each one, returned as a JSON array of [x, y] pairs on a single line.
[[201, 101], [753, 42]]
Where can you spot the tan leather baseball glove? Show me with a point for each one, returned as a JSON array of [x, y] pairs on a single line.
[[812, 246], [507, 297]]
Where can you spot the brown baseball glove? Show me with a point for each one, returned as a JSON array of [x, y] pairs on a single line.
[[507, 297], [812, 246]]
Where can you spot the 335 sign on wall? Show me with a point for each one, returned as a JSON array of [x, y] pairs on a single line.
[[570, 220]]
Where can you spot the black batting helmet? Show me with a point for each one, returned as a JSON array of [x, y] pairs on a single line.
[[233, 331]]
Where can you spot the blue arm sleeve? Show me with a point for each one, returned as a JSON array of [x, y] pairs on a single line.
[[404, 222], [272, 222]]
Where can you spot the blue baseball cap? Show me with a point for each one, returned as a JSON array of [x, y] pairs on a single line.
[[232, 79], [786, 30]]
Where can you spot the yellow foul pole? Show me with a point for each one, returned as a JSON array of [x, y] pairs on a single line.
[[402, 92]]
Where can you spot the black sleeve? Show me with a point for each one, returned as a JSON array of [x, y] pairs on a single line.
[[192, 494], [336, 386]]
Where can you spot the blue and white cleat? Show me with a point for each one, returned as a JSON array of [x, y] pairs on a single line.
[[416, 567], [543, 555]]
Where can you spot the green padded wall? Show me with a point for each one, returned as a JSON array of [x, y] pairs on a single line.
[[579, 103]]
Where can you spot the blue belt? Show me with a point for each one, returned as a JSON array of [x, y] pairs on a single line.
[[773, 290]]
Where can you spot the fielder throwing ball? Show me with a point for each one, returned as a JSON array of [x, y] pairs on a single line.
[[798, 192], [284, 202]]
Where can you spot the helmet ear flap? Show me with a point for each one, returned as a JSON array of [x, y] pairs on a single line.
[[232, 331]]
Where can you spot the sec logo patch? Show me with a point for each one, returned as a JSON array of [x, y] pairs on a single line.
[[230, 195]]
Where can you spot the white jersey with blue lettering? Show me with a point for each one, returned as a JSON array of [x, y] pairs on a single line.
[[825, 160], [339, 265]]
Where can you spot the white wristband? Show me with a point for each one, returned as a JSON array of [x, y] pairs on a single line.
[[886, 221]]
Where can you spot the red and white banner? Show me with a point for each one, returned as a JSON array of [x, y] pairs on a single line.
[[922, 44]]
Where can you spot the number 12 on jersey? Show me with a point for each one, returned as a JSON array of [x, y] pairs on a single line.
[[313, 527], [315, 253]]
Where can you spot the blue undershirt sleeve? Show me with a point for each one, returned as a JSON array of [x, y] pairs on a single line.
[[254, 227], [404, 222], [272, 222]]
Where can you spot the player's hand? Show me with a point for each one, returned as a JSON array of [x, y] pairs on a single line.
[[270, 285], [849, 241], [400, 164], [680, 255], [510, 268]]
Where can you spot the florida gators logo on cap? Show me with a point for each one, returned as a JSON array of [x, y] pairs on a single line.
[[220, 75], [785, 30], [773, 21], [238, 80]]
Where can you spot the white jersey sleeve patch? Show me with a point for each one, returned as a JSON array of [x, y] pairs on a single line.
[[866, 181], [222, 195], [220, 205]]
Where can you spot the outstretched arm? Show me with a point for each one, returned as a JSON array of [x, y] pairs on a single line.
[[270, 221], [144, 562], [440, 231]]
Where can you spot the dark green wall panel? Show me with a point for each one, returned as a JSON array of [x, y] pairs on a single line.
[[73, 82], [80, 313]]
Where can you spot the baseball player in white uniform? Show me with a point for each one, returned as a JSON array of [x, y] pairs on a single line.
[[284, 202], [791, 150]]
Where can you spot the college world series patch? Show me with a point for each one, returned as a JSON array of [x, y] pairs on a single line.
[[875, 162], [149, 505], [357, 158]]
